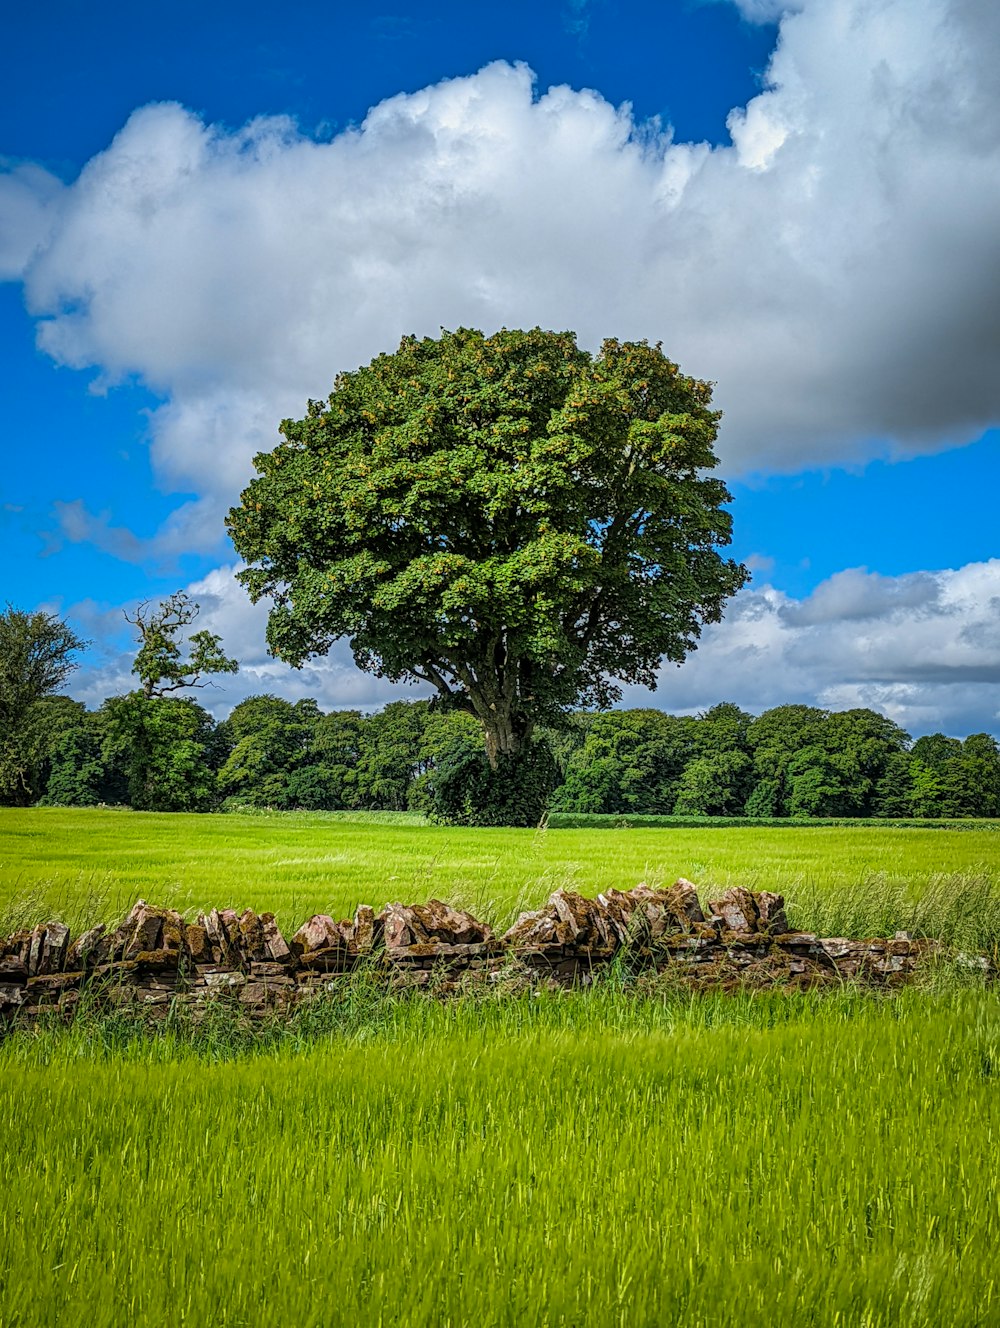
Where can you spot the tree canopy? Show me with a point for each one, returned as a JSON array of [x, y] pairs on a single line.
[[36, 652], [514, 521], [159, 665]]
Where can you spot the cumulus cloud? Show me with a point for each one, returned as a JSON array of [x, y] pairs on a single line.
[[834, 268], [333, 681], [767, 11], [923, 648], [29, 204]]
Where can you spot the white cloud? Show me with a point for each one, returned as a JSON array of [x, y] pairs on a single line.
[[767, 11], [29, 204], [923, 648], [333, 681], [835, 269]]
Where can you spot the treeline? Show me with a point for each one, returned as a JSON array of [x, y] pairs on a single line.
[[168, 754]]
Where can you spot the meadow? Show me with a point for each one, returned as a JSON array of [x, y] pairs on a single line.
[[84, 866], [628, 1155], [574, 1160]]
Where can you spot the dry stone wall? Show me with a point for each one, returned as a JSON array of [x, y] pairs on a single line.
[[155, 958]]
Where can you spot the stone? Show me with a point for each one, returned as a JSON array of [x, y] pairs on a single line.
[[13, 969], [440, 922], [837, 947], [222, 929], [364, 931], [81, 952], [250, 936], [400, 927], [196, 943], [156, 961], [172, 937], [319, 933], [682, 900], [537, 928], [229, 923], [54, 981], [36, 943], [330, 959], [616, 912], [574, 915], [142, 929], [214, 934], [275, 946], [223, 979], [54, 947], [736, 909], [771, 913]]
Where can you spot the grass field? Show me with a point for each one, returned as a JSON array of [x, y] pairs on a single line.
[[573, 1161], [91, 865], [625, 1156]]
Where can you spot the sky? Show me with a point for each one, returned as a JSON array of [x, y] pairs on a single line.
[[207, 211]]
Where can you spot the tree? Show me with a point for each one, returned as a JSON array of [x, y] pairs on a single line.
[[390, 755], [894, 791], [861, 743], [158, 664], [630, 761], [163, 748], [510, 520], [971, 778], [73, 772], [774, 738], [336, 750], [35, 660], [715, 785], [817, 784], [270, 740]]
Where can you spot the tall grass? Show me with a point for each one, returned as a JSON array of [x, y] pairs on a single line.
[[91, 865], [557, 1162]]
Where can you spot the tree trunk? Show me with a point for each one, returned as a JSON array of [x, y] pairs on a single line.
[[506, 732]]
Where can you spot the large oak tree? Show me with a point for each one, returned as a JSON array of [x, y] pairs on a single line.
[[514, 521]]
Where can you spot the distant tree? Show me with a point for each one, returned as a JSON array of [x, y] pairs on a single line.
[[766, 799], [159, 665], [336, 752], [73, 772], [390, 757], [714, 785], [163, 749], [936, 749], [36, 652], [722, 728], [269, 741], [630, 761], [894, 792], [450, 739], [860, 744], [774, 738], [817, 784], [509, 520], [971, 778], [927, 793]]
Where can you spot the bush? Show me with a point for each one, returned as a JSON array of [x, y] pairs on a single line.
[[467, 791]]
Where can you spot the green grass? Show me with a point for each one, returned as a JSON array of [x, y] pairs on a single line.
[[576, 1160], [625, 1156], [90, 865]]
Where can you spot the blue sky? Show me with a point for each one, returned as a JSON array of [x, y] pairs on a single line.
[[202, 219]]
